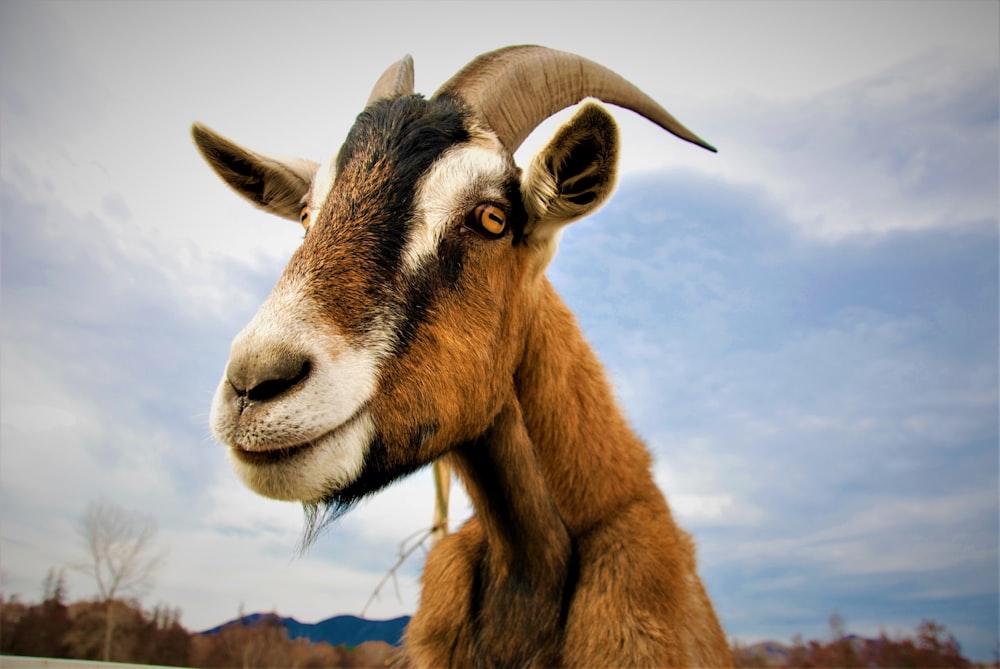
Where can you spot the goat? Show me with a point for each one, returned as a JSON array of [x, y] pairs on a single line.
[[415, 322]]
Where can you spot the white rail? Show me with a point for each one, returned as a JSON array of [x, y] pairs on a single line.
[[18, 662]]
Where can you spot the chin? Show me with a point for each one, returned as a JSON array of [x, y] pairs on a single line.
[[312, 472]]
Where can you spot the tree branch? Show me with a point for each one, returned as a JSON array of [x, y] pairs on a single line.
[[418, 539]]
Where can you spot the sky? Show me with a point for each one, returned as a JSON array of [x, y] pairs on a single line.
[[803, 327]]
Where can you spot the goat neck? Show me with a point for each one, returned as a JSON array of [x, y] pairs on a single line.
[[527, 561], [592, 461]]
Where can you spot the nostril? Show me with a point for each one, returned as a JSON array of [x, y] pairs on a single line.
[[273, 387], [265, 373]]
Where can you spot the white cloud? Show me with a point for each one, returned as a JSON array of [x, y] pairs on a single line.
[[909, 149], [702, 482], [891, 536], [60, 440], [231, 507], [216, 573], [403, 509]]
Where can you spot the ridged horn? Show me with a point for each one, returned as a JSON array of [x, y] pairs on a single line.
[[395, 81], [516, 88]]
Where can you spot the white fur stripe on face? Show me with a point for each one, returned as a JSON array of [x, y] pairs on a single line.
[[321, 186], [461, 178]]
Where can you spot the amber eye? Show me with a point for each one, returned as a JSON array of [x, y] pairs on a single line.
[[304, 217], [489, 220]]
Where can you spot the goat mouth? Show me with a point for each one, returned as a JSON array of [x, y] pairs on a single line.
[[280, 454], [264, 458]]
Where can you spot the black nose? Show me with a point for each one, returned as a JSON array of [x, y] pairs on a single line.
[[260, 375]]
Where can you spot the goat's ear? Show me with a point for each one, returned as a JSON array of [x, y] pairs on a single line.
[[273, 184], [573, 175]]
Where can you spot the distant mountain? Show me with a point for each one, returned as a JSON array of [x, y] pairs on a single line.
[[347, 630], [772, 653], [777, 654]]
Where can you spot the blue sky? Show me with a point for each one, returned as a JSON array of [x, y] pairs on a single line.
[[804, 327]]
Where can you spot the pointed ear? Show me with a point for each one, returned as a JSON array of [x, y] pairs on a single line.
[[395, 81], [274, 185], [573, 175]]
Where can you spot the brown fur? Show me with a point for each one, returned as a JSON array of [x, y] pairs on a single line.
[[572, 557], [630, 592]]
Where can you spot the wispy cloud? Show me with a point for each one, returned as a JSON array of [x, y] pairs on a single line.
[[912, 148]]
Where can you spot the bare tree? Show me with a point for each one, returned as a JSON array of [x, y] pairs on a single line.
[[121, 556]]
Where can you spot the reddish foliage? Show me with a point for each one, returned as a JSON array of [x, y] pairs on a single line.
[[53, 629], [932, 647], [265, 643]]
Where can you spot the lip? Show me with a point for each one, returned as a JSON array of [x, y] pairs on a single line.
[[271, 456], [275, 455]]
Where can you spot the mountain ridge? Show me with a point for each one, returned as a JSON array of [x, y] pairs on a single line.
[[347, 630]]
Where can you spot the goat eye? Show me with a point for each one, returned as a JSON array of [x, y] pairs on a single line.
[[488, 220], [304, 217]]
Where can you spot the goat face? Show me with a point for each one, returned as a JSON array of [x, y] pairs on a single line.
[[395, 330]]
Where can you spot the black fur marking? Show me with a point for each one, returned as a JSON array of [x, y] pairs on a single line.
[[518, 217], [444, 273], [415, 135], [422, 291], [572, 579], [384, 464], [365, 222]]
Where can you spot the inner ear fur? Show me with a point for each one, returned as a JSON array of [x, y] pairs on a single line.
[[574, 174], [275, 185]]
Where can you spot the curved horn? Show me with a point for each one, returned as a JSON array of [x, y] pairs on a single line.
[[516, 88], [395, 81]]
